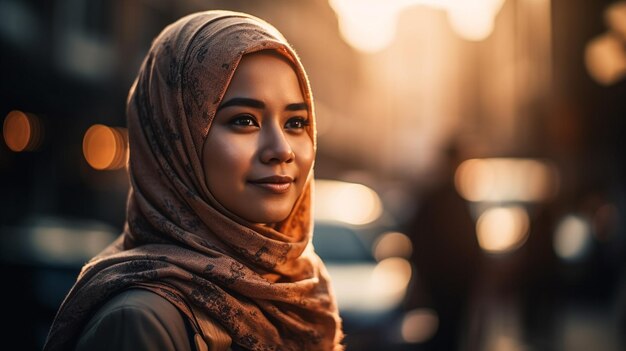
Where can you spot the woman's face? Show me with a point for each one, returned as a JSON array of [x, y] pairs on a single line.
[[258, 153]]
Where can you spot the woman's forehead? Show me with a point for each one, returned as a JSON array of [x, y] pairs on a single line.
[[263, 74]]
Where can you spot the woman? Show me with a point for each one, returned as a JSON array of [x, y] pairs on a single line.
[[216, 252]]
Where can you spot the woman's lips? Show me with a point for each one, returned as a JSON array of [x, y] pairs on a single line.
[[276, 188], [276, 184]]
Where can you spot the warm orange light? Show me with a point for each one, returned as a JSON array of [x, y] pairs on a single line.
[[105, 148], [502, 229], [392, 244], [390, 278], [605, 58], [346, 202], [21, 131], [473, 20], [370, 25], [615, 17], [419, 325], [473, 180], [506, 179]]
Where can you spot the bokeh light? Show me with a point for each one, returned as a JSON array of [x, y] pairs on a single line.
[[502, 229], [390, 278], [53, 244], [572, 238], [365, 287], [346, 202], [615, 16], [105, 148], [419, 325], [506, 179], [605, 58], [392, 244], [22, 131]]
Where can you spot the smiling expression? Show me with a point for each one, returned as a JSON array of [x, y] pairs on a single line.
[[259, 151]]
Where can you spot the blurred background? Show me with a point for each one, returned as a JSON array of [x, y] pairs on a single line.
[[471, 161]]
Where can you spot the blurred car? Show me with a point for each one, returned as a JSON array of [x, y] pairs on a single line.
[[367, 262]]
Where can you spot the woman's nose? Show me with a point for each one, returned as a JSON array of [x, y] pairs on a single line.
[[275, 146]]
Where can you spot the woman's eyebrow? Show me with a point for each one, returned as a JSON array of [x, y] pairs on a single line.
[[254, 103], [297, 107], [242, 102]]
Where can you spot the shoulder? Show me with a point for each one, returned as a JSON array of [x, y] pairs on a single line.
[[136, 319]]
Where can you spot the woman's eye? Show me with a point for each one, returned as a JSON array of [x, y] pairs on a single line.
[[297, 123], [244, 121]]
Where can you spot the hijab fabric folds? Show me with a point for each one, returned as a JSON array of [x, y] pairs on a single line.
[[264, 285]]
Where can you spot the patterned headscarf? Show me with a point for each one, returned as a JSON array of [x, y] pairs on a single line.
[[264, 285]]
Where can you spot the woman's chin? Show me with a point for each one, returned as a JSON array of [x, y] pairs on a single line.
[[268, 217]]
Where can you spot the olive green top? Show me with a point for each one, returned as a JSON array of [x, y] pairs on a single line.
[[139, 319]]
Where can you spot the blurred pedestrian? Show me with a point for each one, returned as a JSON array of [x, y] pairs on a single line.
[[446, 256]]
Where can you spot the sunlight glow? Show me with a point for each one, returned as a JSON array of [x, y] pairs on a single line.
[[370, 25], [473, 20], [502, 229]]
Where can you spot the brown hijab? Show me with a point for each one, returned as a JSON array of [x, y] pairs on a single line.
[[264, 285]]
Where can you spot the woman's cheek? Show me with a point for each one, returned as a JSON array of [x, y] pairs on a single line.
[[238, 152], [305, 154]]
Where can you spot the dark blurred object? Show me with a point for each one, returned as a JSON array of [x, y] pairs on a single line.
[[39, 261], [446, 256]]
